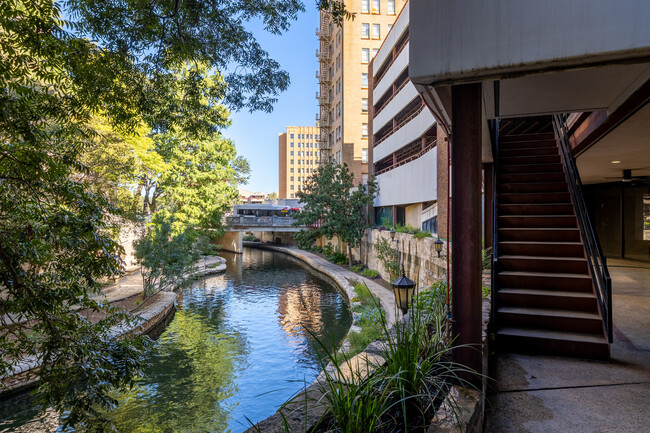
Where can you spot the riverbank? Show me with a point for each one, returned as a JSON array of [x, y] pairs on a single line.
[[126, 294]]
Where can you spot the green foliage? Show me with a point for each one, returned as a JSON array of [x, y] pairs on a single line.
[[250, 238], [419, 234], [166, 257], [486, 259], [370, 273], [389, 257], [404, 392], [332, 200], [486, 291], [356, 268]]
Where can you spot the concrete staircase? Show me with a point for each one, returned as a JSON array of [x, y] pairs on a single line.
[[545, 297]]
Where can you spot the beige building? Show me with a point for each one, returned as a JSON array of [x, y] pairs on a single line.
[[344, 55], [299, 158]]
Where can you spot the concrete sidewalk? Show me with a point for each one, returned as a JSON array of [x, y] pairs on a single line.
[[131, 284], [552, 394]]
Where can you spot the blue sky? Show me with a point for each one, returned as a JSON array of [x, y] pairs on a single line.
[[256, 134]]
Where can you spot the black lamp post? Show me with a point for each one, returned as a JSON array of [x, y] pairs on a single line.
[[403, 289], [438, 246]]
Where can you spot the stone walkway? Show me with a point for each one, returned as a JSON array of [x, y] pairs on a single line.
[[551, 394], [131, 284]]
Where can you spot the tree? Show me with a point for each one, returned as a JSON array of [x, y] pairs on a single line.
[[152, 65], [273, 196], [339, 207]]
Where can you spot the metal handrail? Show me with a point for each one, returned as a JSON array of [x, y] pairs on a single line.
[[494, 132], [595, 259]]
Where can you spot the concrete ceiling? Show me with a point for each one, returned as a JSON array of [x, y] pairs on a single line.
[[629, 143]]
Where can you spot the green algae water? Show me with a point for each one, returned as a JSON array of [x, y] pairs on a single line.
[[238, 346]]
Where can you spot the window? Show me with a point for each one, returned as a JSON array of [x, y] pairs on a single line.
[[375, 31], [291, 179], [291, 187], [390, 26], [364, 130], [374, 52], [291, 153], [292, 144], [291, 161], [365, 55], [375, 6], [365, 30], [291, 195], [365, 6], [364, 105], [364, 80], [291, 136], [364, 156], [291, 170], [391, 7]]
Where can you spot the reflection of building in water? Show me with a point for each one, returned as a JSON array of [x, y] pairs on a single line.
[[300, 309]]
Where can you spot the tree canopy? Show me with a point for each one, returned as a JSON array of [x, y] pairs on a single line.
[[144, 78], [335, 206]]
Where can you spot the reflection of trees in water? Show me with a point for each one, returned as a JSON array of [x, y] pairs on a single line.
[[194, 373]]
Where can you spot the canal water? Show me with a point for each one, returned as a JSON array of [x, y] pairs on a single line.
[[239, 345]]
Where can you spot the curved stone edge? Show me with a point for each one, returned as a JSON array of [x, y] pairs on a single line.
[[462, 411], [25, 373]]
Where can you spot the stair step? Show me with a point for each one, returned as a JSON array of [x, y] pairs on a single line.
[[550, 249], [544, 159], [520, 263], [545, 281], [554, 320], [531, 177], [534, 197], [547, 136], [541, 342], [529, 187], [539, 221], [548, 299], [530, 168], [540, 234], [528, 151], [511, 209]]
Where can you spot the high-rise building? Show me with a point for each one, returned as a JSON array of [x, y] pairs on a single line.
[[344, 55], [299, 158], [408, 154]]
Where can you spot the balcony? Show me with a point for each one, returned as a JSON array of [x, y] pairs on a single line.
[[323, 100], [323, 76], [322, 118], [323, 56], [323, 33]]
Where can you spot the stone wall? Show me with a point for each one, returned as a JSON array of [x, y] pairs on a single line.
[[129, 233], [418, 256]]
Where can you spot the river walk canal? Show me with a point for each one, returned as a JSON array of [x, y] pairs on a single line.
[[238, 346]]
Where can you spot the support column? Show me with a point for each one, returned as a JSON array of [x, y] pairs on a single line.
[[466, 226], [488, 208]]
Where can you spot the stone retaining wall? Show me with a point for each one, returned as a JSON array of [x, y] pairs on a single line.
[[419, 257]]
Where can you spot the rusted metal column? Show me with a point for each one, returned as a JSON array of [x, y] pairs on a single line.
[[466, 226], [488, 197]]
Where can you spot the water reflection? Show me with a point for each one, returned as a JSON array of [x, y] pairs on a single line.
[[237, 347]]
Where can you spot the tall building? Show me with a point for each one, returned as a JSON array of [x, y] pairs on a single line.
[[408, 151], [344, 55], [299, 158]]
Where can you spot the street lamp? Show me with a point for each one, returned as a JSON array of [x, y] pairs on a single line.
[[438, 246], [392, 234], [403, 289]]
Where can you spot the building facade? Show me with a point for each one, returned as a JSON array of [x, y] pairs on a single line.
[[551, 98], [406, 144], [344, 55], [298, 158]]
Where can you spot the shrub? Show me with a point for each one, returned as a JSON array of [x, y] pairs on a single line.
[[419, 234], [389, 258], [356, 268], [250, 238], [370, 273]]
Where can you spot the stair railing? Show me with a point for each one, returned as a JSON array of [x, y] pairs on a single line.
[[595, 259], [494, 133]]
